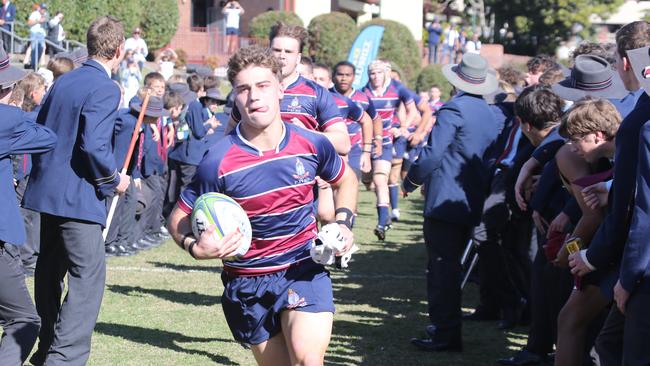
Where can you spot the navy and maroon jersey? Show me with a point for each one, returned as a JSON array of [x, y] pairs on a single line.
[[312, 104], [386, 103], [274, 187], [351, 112]]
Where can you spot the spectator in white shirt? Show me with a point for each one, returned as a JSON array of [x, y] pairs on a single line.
[[139, 47], [450, 44], [473, 45], [232, 11], [55, 34]]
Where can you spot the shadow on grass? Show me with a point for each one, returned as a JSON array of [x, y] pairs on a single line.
[[382, 305], [185, 267], [189, 298], [162, 339]]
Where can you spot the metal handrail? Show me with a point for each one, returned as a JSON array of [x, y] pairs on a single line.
[[67, 42]]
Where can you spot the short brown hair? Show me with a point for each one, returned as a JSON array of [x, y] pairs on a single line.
[[104, 37], [59, 66], [552, 76], [540, 63], [153, 76], [28, 84], [210, 82], [195, 83], [590, 115], [291, 31], [511, 75], [632, 36], [173, 100], [538, 106], [604, 50], [253, 55]]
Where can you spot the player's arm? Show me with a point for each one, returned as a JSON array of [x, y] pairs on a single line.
[[337, 133], [366, 137], [425, 124], [180, 228], [331, 123]]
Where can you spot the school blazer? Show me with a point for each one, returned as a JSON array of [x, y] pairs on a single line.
[[17, 136], [74, 179]]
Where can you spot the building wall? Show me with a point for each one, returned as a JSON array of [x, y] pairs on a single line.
[[195, 44], [408, 13]]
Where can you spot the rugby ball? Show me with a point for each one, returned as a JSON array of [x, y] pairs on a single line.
[[226, 215]]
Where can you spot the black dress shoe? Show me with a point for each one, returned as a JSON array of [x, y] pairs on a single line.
[[522, 358], [482, 315], [429, 345]]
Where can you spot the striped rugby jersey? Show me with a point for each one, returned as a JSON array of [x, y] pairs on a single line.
[[386, 103], [351, 112], [309, 102], [275, 188]]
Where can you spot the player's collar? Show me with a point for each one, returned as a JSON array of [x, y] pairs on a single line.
[[291, 81], [255, 149]]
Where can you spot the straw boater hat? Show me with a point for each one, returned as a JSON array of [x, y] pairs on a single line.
[[184, 91], [591, 76], [472, 75], [640, 61], [9, 75], [155, 107]]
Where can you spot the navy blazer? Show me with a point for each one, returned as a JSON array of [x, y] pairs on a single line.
[[607, 244], [74, 179], [191, 151], [17, 136], [452, 165], [635, 265]]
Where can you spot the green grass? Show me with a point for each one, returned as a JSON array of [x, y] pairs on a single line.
[[162, 307]]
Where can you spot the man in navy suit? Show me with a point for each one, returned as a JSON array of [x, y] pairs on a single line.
[[18, 135], [456, 180], [69, 186], [7, 17]]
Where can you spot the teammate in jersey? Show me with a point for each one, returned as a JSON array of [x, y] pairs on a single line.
[[305, 103], [290, 321], [359, 122], [385, 97], [410, 126]]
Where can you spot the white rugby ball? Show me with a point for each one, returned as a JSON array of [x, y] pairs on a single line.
[[226, 215]]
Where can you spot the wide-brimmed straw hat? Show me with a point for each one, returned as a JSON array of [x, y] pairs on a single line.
[[591, 76], [9, 75], [471, 75]]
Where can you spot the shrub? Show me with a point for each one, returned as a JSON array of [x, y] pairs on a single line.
[[330, 37], [260, 26], [399, 47], [158, 18], [432, 75]]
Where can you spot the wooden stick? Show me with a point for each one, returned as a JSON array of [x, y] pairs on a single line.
[[125, 166]]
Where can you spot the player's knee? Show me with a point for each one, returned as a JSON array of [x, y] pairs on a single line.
[[311, 358]]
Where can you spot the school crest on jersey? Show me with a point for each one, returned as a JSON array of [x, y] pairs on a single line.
[[388, 105], [301, 175], [294, 106]]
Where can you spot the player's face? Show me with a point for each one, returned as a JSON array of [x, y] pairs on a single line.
[[376, 77], [257, 97], [322, 77], [287, 50], [343, 78], [158, 88]]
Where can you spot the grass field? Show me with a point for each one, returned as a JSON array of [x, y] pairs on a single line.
[[161, 307]]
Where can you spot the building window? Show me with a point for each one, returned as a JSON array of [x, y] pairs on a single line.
[[200, 13]]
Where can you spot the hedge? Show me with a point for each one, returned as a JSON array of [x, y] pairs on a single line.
[[260, 26], [399, 47], [432, 75], [331, 36], [157, 18]]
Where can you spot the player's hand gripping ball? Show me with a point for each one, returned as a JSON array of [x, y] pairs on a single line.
[[225, 215]]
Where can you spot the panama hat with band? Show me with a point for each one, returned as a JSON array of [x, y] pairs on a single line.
[[472, 75], [593, 76], [9, 75]]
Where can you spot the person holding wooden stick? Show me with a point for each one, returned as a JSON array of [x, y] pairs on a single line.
[[69, 187]]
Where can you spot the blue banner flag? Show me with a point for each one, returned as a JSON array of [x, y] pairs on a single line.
[[364, 50]]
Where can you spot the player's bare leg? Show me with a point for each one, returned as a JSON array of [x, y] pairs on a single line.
[[307, 336], [272, 352]]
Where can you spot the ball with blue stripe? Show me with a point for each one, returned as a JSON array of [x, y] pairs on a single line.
[[225, 214]]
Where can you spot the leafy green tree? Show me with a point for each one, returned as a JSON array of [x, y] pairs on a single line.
[[159, 21], [260, 26], [399, 47], [331, 36], [432, 75], [536, 26]]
